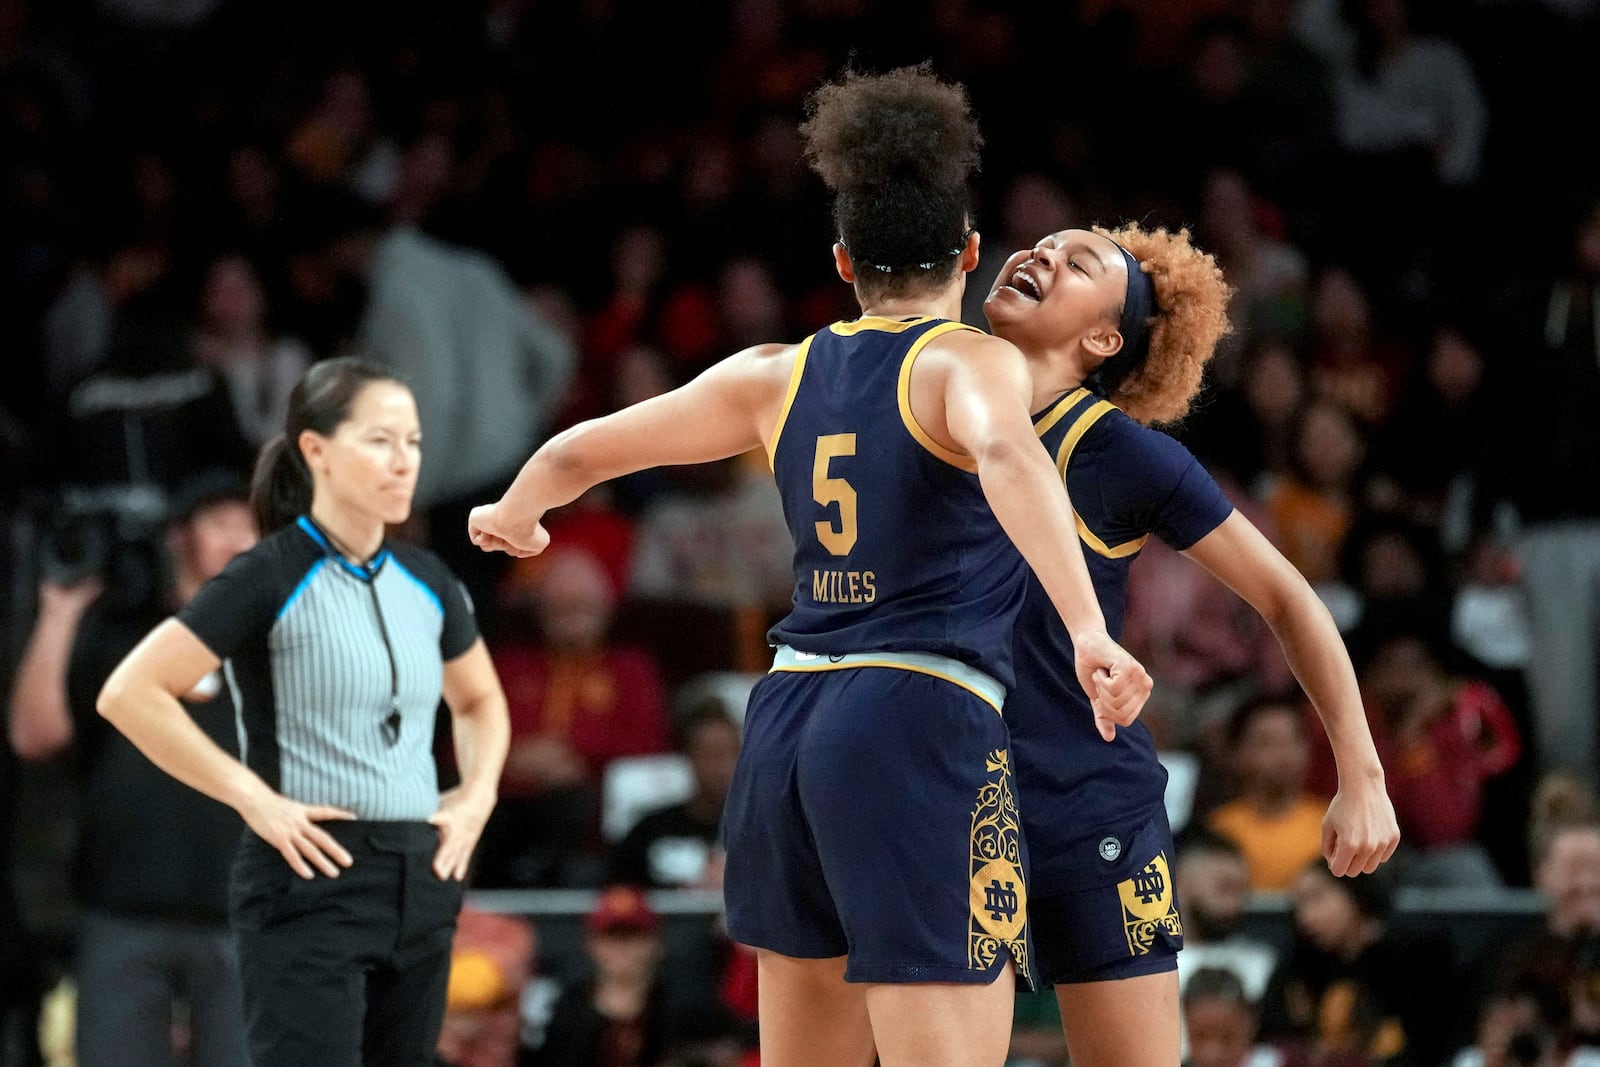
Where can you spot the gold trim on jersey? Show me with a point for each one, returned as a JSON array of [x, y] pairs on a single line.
[[1085, 420], [788, 401], [955, 459], [1122, 551], [1080, 426], [1059, 411], [878, 323]]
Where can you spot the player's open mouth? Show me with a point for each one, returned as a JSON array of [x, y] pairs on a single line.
[[1023, 281]]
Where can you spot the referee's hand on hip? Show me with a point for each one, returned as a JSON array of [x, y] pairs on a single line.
[[291, 827]]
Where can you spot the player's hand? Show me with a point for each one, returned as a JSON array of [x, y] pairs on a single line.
[[1117, 684], [461, 816], [493, 532], [291, 827], [1359, 832]]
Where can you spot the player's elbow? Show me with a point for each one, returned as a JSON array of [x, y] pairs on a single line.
[[1289, 602], [567, 456]]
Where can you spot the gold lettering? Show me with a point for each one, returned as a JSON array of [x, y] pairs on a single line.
[[844, 587]]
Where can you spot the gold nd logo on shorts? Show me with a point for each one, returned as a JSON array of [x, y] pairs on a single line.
[[1148, 907], [999, 896]]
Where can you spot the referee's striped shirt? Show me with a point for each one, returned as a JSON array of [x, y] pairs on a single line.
[[337, 669]]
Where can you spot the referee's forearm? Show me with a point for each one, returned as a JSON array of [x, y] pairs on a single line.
[[156, 723], [482, 734]]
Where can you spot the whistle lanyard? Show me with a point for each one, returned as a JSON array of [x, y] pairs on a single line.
[[391, 723], [367, 574]]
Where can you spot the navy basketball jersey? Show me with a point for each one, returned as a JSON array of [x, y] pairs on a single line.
[[1126, 482], [896, 548]]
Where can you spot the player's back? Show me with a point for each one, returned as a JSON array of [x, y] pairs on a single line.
[[896, 547]]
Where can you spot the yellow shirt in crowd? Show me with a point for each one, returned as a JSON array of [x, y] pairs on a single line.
[[1277, 847]]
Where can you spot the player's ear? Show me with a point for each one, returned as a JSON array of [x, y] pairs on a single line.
[[969, 251], [1103, 342], [842, 264]]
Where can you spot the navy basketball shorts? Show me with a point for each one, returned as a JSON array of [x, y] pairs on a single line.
[[1104, 908], [872, 815]]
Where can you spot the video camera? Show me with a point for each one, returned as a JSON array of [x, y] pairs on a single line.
[[115, 532]]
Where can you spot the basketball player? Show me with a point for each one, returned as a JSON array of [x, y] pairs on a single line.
[[872, 832], [1128, 320]]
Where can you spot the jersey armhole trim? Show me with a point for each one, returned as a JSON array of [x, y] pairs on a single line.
[[788, 402], [1122, 551], [1085, 421], [903, 393], [1059, 411]]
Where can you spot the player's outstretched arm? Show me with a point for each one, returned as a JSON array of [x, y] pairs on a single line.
[[1359, 831], [728, 409]]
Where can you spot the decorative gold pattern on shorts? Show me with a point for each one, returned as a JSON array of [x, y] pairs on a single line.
[[1148, 906], [999, 895]]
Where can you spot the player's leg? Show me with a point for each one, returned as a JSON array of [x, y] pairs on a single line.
[[906, 785], [1107, 932], [777, 898], [943, 1024], [1126, 1022], [809, 1015]]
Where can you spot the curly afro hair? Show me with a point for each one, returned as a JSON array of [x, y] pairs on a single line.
[[897, 150], [1193, 298]]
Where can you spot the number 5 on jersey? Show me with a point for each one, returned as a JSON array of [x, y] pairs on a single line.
[[826, 489]]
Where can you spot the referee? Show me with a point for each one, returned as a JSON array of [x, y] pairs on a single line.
[[338, 646]]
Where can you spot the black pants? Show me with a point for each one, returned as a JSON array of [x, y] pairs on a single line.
[[347, 971]]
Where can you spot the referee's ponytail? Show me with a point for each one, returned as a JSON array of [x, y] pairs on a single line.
[[281, 488]]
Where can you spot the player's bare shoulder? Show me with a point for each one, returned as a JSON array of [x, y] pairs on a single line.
[[960, 354], [975, 344], [758, 379], [766, 363]]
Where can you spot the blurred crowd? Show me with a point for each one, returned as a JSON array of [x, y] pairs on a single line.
[[538, 212]]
